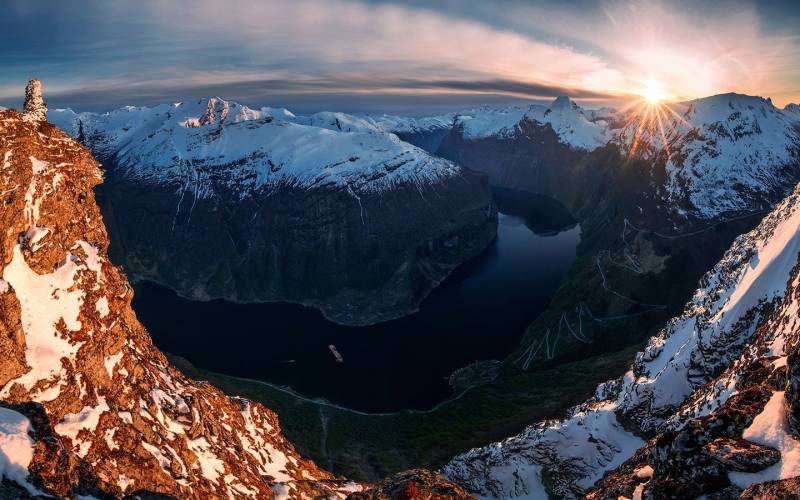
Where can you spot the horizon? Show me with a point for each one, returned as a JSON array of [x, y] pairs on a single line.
[[399, 57], [585, 104]]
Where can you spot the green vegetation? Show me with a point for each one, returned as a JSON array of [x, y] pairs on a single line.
[[367, 447]]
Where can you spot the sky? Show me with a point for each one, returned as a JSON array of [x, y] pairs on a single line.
[[412, 57]]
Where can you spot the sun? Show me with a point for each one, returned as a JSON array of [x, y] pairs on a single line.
[[653, 91]]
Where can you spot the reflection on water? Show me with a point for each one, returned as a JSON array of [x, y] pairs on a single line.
[[478, 313]]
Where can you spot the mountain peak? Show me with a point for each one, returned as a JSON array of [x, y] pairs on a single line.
[[563, 102]]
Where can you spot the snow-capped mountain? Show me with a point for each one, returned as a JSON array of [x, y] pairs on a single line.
[[266, 149], [718, 155], [327, 210], [793, 110], [574, 126], [724, 153], [709, 406]]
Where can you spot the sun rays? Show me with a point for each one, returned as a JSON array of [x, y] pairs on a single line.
[[653, 121]]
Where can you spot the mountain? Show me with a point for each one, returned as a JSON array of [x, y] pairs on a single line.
[[327, 210], [709, 407], [88, 406], [792, 109], [721, 154], [706, 158], [656, 211]]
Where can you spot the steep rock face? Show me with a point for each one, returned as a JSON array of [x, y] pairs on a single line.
[[707, 408], [103, 411], [324, 210]]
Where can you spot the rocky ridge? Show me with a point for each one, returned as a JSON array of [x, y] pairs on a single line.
[[117, 418], [708, 408]]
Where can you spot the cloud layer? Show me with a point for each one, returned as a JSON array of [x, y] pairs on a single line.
[[349, 50]]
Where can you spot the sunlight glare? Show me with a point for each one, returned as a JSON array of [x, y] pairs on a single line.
[[653, 91]]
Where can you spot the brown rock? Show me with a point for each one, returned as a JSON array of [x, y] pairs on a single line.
[[417, 484]]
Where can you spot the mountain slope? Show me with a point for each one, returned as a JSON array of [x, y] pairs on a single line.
[[326, 210], [686, 419]]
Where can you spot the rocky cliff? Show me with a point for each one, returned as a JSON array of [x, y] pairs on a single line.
[[88, 406], [326, 210]]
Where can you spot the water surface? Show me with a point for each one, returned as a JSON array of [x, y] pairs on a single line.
[[478, 313]]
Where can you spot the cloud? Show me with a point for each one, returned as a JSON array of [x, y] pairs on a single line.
[[283, 50]]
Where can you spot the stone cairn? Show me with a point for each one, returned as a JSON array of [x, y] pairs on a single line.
[[35, 109]]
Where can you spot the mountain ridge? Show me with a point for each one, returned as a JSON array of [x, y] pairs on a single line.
[[296, 205]]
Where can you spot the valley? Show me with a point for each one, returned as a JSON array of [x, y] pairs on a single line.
[[478, 313], [636, 265]]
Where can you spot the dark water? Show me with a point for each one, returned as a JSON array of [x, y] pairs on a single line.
[[478, 313]]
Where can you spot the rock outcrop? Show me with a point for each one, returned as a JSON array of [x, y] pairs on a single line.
[[34, 108]]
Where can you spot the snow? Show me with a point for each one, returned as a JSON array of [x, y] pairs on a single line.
[[102, 307], [765, 277], [742, 142], [588, 443], [210, 465], [111, 362], [16, 447], [715, 310], [644, 472], [162, 459], [34, 235], [86, 419], [251, 150], [273, 460], [109, 436], [490, 121], [770, 428], [45, 300], [574, 126], [409, 125], [32, 201]]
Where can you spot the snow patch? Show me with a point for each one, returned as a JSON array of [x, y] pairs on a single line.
[[45, 300], [111, 362], [16, 447], [86, 419], [102, 307], [770, 428]]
